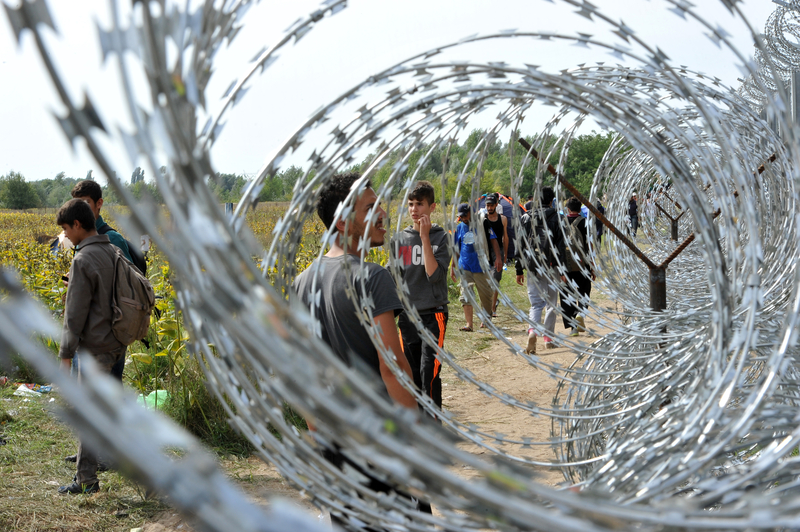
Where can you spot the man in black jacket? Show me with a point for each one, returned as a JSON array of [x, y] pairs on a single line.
[[539, 257], [580, 270]]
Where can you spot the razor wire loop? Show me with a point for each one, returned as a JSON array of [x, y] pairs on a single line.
[[705, 410]]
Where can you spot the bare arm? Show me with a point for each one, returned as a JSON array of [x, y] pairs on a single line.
[[505, 237], [498, 259], [391, 340], [455, 259]]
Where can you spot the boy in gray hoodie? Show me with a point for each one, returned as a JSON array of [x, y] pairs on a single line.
[[420, 252]]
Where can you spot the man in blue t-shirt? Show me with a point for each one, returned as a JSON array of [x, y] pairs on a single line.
[[467, 260]]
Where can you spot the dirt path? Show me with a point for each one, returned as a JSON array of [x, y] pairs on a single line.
[[511, 374], [491, 361]]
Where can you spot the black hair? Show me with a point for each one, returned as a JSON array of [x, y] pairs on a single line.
[[574, 204], [548, 195], [423, 190], [76, 209], [335, 192], [87, 188]]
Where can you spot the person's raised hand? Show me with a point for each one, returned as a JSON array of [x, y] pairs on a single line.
[[424, 226]]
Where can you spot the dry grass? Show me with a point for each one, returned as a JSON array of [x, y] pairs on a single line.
[[32, 468]]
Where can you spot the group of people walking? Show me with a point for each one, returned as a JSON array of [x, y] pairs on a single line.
[[550, 249], [420, 255]]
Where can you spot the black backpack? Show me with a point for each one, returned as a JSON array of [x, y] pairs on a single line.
[[137, 257], [536, 225], [575, 255]]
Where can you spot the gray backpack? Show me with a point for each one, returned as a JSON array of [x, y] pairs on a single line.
[[132, 301]]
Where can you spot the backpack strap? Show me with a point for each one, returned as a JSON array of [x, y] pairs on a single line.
[[105, 228], [116, 314]]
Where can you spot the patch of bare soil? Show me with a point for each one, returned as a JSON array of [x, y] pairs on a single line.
[[511, 374], [492, 362], [260, 481]]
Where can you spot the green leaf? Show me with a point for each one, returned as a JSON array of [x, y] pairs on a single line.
[[144, 358]]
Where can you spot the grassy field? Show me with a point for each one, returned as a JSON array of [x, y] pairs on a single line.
[[32, 468], [33, 441]]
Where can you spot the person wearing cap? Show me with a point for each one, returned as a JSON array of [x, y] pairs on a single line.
[[498, 224], [466, 259], [633, 212]]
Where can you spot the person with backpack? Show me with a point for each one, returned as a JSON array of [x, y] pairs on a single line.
[[466, 259], [598, 224], [541, 229], [92, 193], [580, 270], [88, 315]]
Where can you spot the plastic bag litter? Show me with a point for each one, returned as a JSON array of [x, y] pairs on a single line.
[[32, 390], [155, 399]]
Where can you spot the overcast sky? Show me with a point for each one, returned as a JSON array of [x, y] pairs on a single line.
[[366, 37]]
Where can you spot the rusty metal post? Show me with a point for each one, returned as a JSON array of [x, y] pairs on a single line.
[[658, 289]]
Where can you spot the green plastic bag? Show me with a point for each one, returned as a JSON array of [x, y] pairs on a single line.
[[155, 399]]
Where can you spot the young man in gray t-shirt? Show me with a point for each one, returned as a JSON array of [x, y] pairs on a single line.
[[323, 287], [339, 270]]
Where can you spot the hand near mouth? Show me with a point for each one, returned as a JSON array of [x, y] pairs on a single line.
[[424, 222]]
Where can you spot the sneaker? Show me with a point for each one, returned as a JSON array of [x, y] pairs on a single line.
[[82, 489], [581, 323], [71, 458], [549, 343], [574, 332], [531, 348]]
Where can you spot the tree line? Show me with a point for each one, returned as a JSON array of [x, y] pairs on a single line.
[[583, 159]]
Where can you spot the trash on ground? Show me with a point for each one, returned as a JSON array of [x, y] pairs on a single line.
[[161, 396], [32, 390]]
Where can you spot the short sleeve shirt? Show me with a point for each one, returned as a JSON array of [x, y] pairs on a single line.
[[338, 315]]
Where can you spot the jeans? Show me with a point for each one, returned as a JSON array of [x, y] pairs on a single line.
[[542, 293]]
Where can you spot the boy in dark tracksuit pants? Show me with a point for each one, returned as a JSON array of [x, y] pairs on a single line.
[[420, 251]]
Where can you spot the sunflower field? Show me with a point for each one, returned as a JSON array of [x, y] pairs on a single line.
[[161, 364]]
